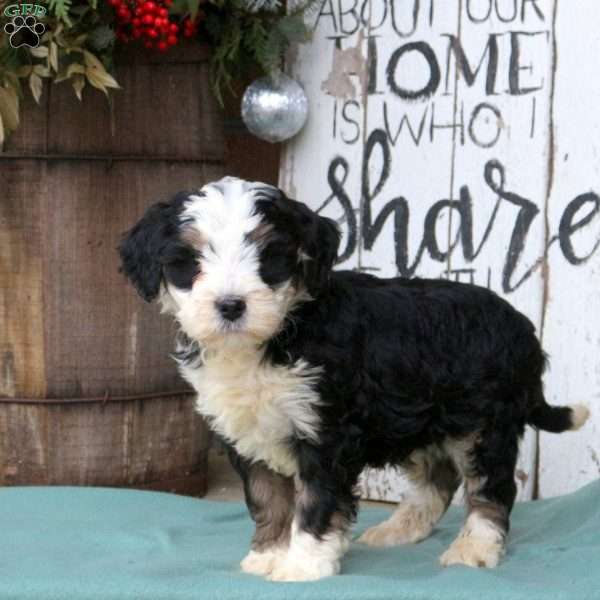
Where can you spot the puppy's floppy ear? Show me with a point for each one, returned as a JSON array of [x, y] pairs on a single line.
[[142, 247], [319, 243]]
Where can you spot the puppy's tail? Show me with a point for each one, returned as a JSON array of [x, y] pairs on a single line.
[[557, 419]]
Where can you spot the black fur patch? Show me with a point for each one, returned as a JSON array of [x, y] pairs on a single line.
[[407, 364], [187, 352], [152, 249], [303, 245], [180, 265], [279, 260]]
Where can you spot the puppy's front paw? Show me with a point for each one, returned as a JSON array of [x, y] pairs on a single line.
[[307, 570], [473, 552], [407, 525], [384, 534], [261, 563]]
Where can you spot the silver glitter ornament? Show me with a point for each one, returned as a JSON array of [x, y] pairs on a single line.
[[274, 108]]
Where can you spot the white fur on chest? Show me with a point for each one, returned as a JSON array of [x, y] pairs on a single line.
[[257, 407]]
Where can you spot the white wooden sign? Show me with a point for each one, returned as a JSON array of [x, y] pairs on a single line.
[[460, 139]]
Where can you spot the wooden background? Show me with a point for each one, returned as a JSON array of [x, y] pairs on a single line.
[[88, 392], [459, 139]]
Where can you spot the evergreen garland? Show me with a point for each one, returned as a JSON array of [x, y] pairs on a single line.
[[240, 37], [81, 36]]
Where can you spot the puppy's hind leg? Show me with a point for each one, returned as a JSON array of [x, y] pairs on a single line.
[[435, 479], [491, 492]]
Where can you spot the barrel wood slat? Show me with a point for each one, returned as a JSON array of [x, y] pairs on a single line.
[[88, 393]]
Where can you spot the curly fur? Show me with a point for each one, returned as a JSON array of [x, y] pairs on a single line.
[[326, 372]]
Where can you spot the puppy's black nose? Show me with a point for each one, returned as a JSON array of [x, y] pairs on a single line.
[[231, 307]]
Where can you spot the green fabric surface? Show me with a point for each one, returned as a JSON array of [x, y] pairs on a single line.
[[98, 543]]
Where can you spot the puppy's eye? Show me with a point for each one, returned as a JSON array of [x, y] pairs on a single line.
[[181, 271], [278, 262]]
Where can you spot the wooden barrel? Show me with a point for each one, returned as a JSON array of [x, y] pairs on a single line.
[[88, 392]]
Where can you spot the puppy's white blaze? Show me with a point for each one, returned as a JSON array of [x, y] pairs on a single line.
[[224, 216], [257, 407], [225, 204], [309, 558]]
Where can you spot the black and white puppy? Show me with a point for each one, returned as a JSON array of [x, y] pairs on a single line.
[[311, 374]]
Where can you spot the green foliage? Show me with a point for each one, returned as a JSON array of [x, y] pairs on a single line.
[[240, 38], [60, 9], [186, 7], [101, 38], [227, 54], [79, 41], [293, 28]]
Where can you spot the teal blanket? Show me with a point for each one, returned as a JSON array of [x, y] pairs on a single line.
[[104, 544]]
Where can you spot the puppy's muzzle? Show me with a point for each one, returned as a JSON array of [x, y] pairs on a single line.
[[231, 308]]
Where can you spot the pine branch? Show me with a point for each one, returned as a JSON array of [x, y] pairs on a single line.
[[60, 9]]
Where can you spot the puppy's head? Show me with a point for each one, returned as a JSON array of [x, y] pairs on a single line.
[[230, 260]]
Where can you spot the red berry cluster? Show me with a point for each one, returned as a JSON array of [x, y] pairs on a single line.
[[149, 21]]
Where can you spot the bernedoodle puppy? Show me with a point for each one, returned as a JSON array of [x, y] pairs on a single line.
[[311, 374]]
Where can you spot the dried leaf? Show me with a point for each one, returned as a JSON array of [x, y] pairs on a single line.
[[59, 37], [100, 79], [35, 85], [75, 68], [72, 69], [41, 70], [92, 61], [97, 74], [24, 71], [53, 57], [80, 39], [95, 80], [39, 52], [12, 80], [78, 85], [1, 131], [9, 107]]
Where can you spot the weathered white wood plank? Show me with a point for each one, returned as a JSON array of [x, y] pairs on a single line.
[[322, 166], [572, 331], [501, 160], [438, 115], [409, 143]]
